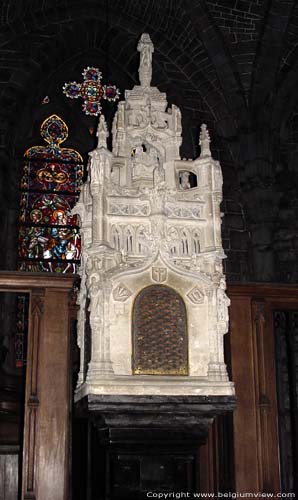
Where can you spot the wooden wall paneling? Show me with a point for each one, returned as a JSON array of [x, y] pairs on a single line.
[[9, 476], [207, 476], [32, 396], [247, 477], [54, 375], [45, 471], [252, 345], [265, 392]]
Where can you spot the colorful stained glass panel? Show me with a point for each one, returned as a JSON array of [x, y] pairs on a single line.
[[49, 238], [50, 176]]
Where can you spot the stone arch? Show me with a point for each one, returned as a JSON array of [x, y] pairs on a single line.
[[129, 239], [141, 247], [159, 329], [196, 242], [185, 246], [116, 237]]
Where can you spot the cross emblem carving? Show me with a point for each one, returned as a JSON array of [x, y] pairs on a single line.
[[159, 274], [91, 90]]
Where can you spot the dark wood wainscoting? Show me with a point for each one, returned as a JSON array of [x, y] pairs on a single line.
[[243, 450], [252, 352], [47, 409]]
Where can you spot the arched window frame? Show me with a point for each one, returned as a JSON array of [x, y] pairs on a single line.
[[174, 241], [117, 237], [129, 240], [140, 248], [184, 242], [196, 242]]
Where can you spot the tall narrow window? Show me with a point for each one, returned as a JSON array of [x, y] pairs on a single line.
[[116, 238], [49, 237], [184, 243], [196, 242], [129, 240], [141, 247], [159, 332]]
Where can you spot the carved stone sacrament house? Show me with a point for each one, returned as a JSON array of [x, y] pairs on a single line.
[[153, 307]]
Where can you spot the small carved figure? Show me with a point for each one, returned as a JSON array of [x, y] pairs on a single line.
[[222, 302], [158, 175], [97, 172], [145, 47], [205, 141], [185, 184], [95, 295], [102, 133], [120, 116], [176, 113]]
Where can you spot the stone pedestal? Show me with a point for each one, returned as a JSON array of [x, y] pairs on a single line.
[[140, 445]]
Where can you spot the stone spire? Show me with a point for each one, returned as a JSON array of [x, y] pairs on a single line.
[[145, 47], [102, 133], [204, 141]]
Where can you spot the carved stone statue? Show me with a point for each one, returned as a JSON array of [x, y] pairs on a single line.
[[185, 184], [145, 47], [158, 175], [204, 141], [223, 302], [95, 295], [102, 132]]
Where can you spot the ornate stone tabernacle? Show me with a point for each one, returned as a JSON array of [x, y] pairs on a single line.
[[153, 307]]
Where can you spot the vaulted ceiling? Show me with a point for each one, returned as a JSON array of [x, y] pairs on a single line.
[[232, 64]]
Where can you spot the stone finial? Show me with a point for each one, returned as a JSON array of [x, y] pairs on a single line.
[[102, 133], [146, 48], [204, 141]]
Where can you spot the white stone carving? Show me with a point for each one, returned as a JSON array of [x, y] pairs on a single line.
[[145, 47], [121, 293], [128, 209], [149, 217], [183, 212], [223, 302], [205, 141], [159, 274], [196, 296]]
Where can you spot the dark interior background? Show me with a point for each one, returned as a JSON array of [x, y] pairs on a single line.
[[232, 64]]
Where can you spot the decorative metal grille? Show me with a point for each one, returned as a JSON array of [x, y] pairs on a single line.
[[160, 333]]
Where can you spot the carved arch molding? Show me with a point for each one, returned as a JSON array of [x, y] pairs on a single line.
[[160, 341]]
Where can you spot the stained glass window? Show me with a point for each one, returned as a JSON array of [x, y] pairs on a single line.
[[49, 238]]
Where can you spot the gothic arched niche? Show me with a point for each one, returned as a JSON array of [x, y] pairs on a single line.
[[160, 343]]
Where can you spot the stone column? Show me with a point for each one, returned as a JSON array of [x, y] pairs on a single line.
[[81, 327], [216, 367], [97, 213], [99, 293]]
